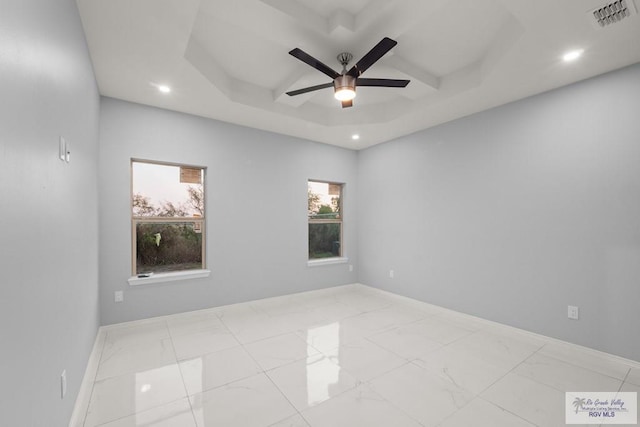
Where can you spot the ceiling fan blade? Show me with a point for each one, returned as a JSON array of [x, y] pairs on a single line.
[[310, 60], [378, 51], [382, 82], [309, 89], [346, 104]]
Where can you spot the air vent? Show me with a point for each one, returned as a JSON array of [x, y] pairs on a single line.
[[613, 12]]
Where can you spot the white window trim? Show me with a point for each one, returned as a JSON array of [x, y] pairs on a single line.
[[168, 277], [327, 261]]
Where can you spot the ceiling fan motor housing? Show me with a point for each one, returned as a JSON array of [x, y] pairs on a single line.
[[345, 82]]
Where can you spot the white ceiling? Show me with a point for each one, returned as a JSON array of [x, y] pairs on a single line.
[[228, 59]]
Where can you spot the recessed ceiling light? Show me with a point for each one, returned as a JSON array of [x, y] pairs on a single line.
[[355, 136], [573, 55], [164, 89]]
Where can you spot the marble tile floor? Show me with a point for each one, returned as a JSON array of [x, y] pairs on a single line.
[[345, 356]]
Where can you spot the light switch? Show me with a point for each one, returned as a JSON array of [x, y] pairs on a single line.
[[63, 384], [62, 149]]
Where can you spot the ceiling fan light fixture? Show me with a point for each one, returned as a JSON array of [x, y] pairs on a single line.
[[345, 87], [345, 94]]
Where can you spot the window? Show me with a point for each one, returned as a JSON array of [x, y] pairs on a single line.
[[168, 217], [325, 219]]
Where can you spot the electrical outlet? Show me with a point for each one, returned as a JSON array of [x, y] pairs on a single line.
[[573, 312], [350, 267], [63, 384], [391, 274], [119, 296]]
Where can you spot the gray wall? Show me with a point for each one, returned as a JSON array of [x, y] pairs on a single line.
[[514, 213], [48, 210], [256, 190]]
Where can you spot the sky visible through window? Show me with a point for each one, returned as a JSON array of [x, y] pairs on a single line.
[[160, 184], [322, 190]]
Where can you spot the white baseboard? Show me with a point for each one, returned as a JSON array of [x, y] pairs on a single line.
[[84, 394]]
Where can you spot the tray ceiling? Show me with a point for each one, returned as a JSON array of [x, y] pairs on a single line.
[[228, 60]]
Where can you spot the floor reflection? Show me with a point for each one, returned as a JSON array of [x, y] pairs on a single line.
[[321, 372]]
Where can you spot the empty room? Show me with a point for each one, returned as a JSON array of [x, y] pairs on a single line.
[[469, 255]]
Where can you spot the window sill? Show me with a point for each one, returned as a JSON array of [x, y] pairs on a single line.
[[327, 261], [168, 277]]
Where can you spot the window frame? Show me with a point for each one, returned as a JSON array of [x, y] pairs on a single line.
[[135, 220], [338, 220]]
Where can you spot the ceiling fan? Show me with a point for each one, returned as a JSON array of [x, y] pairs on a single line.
[[345, 83]]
